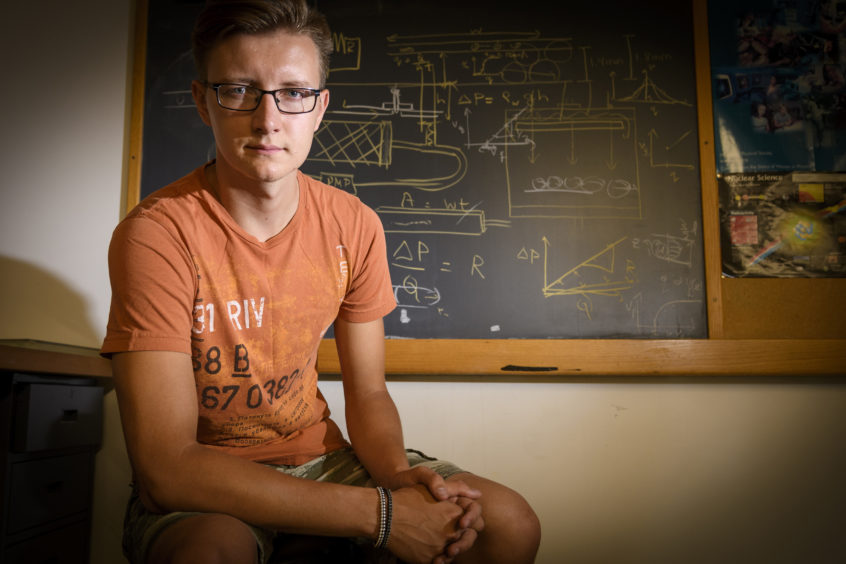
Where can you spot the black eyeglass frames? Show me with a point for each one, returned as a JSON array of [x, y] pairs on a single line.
[[245, 98]]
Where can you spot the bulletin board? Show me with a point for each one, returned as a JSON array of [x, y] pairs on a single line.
[[780, 138]]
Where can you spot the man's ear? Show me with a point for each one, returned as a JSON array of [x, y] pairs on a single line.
[[322, 104], [198, 92]]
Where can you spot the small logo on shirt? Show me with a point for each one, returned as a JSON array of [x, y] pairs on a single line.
[[343, 270]]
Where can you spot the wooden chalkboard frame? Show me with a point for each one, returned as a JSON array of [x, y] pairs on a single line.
[[749, 335]]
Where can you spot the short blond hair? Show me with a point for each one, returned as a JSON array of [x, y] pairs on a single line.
[[221, 19]]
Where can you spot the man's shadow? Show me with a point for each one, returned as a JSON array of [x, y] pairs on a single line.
[[36, 304]]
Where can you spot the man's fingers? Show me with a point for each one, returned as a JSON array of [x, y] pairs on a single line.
[[463, 544], [458, 488]]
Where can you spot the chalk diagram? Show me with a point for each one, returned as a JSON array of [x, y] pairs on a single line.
[[595, 276], [607, 274], [565, 138], [598, 275]]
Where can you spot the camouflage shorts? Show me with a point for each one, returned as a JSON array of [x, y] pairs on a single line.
[[141, 527]]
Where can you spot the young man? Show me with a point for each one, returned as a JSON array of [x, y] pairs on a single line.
[[223, 285]]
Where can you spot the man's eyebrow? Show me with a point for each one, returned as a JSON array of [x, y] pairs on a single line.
[[253, 82], [296, 84], [231, 80]]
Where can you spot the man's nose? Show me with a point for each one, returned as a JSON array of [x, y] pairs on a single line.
[[267, 116]]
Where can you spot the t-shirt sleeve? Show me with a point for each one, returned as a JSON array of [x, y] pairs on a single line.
[[153, 282], [370, 295]]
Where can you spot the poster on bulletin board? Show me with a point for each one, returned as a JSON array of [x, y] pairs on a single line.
[[778, 71], [783, 224]]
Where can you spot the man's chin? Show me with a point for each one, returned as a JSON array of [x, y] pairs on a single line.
[[265, 173]]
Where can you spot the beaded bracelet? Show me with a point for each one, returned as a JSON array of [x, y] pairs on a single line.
[[386, 509]]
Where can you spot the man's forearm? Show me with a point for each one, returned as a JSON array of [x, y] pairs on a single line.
[[205, 480], [375, 431]]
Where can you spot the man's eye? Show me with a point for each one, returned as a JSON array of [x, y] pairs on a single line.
[[294, 93], [234, 91]]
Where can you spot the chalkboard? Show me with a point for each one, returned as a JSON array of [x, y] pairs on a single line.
[[536, 167]]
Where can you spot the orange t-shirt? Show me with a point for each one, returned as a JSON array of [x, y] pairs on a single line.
[[185, 277]]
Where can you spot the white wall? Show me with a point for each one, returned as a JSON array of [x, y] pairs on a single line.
[[651, 472], [62, 141], [661, 472], [61, 155]]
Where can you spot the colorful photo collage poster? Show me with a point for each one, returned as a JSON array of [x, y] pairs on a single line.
[[783, 224], [778, 69]]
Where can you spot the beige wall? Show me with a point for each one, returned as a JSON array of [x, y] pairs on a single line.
[[658, 472]]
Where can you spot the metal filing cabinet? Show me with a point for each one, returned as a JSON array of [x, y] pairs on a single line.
[[52, 428]]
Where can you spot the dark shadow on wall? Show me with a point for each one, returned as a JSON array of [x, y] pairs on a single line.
[[35, 304]]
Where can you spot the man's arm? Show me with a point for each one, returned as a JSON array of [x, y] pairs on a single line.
[[373, 423], [158, 406], [375, 430]]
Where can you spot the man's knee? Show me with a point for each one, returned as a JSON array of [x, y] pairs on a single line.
[[512, 529], [210, 539], [526, 528], [516, 519]]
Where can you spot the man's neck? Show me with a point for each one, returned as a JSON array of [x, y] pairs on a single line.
[[261, 209]]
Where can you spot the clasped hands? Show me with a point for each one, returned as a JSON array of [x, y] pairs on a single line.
[[434, 519]]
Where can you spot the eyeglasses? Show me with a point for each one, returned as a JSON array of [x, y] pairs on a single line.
[[243, 98]]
